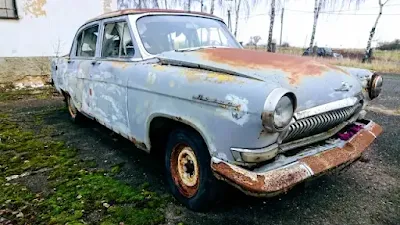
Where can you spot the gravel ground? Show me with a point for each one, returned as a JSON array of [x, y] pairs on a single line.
[[368, 192]]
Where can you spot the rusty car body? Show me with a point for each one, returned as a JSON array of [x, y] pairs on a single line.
[[179, 83]]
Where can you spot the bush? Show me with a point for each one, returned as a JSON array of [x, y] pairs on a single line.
[[392, 45]]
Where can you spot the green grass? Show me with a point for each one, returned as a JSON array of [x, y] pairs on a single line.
[[75, 193]]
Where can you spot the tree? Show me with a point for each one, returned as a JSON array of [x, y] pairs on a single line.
[[271, 26], [138, 4], [212, 5], [368, 50], [324, 4], [243, 5], [254, 40]]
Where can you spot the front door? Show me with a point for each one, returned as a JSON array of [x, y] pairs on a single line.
[[110, 76]]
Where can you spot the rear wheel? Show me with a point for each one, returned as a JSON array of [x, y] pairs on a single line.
[[74, 114], [189, 175]]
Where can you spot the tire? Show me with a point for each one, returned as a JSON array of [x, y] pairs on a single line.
[[198, 190], [74, 115]]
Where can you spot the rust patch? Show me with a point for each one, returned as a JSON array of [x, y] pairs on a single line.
[[337, 156], [297, 67], [120, 64], [159, 67], [141, 11], [35, 8], [269, 182], [214, 77]]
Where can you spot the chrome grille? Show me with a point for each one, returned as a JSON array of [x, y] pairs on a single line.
[[319, 123]]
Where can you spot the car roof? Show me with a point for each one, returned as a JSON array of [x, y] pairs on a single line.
[[143, 11]]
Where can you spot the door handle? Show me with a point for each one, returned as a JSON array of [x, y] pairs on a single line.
[[94, 62]]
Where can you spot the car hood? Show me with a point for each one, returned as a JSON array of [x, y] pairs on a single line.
[[314, 83]]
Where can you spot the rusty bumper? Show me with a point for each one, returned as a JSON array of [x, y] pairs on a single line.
[[272, 182]]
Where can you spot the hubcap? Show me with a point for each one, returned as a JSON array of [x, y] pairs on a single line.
[[185, 170]]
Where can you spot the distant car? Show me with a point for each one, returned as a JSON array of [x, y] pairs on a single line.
[[323, 52], [180, 85]]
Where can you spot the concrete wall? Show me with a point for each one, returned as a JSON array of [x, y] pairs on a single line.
[[47, 26]]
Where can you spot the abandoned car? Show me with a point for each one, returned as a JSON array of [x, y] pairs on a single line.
[[178, 83]]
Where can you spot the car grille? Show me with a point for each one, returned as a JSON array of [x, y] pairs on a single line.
[[319, 123]]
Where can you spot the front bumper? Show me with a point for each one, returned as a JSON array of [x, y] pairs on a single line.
[[268, 182]]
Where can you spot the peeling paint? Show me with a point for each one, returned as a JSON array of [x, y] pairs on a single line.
[[151, 78], [239, 115], [35, 8]]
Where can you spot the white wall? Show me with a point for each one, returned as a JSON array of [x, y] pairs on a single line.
[[42, 24]]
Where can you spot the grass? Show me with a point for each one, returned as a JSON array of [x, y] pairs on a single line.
[[75, 193]]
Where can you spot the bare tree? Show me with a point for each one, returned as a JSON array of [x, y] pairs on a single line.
[[243, 6], [138, 4], [220, 3], [254, 40], [325, 4], [368, 51]]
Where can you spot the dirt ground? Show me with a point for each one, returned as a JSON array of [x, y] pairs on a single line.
[[368, 192]]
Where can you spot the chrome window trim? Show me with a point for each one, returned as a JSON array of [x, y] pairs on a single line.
[[326, 108]]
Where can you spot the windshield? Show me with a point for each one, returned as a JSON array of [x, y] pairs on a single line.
[[172, 32]]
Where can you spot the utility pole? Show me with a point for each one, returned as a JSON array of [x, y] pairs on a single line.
[[283, 11]]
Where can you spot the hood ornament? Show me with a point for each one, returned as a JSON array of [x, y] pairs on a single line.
[[345, 87]]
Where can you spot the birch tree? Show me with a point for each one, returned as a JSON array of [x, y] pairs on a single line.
[[243, 6], [367, 54], [271, 26], [220, 3]]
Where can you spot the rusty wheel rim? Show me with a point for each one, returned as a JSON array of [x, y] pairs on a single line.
[[71, 108], [185, 170]]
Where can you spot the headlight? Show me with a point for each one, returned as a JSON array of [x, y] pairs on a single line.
[[375, 86], [283, 112], [278, 110]]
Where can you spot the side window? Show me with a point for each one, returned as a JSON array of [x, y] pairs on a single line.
[[117, 41], [86, 42]]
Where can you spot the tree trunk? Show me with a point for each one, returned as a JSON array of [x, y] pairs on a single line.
[[212, 6], [317, 8], [237, 17], [140, 4], [166, 4], [372, 33], [156, 5], [189, 4], [271, 26]]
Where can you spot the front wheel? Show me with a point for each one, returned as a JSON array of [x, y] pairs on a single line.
[[188, 170]]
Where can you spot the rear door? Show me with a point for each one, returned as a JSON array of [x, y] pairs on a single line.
[[111, 72], [81, 62]]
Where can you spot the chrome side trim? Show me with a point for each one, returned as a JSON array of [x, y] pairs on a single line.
[[326, 108]]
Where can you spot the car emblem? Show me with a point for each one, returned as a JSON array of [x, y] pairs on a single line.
[[345, 87]]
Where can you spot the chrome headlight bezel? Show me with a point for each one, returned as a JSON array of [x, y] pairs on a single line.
[[270, 105], [375, 86]]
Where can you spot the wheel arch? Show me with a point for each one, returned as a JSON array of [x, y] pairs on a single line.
[[177, 121]]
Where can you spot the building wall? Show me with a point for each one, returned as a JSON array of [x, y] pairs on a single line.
[[45, 27]]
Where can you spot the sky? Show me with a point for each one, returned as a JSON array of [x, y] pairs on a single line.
[[346, 27]]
